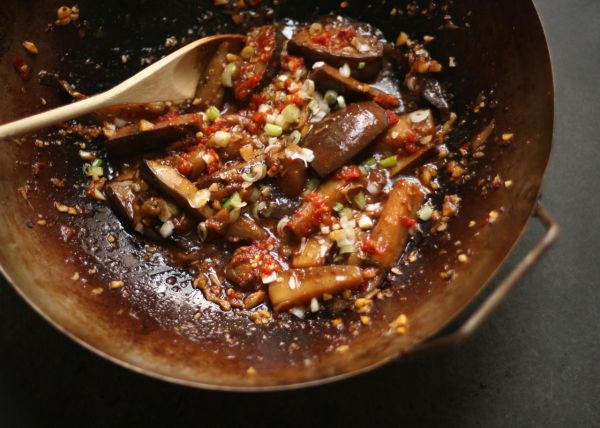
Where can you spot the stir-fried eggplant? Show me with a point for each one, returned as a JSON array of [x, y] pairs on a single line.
[[327, 78], [258, 62], [399, 213], [178, 188], [238, 186], [210, 91], [296, 287], [343, 134], [340, 43], [145, 136]]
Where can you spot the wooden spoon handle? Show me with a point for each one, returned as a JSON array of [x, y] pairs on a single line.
[[54, 116]]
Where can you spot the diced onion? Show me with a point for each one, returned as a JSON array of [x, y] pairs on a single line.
[[221, 138], [425, 213], [314, 305], [303, 154], [318, 64], [365, 222], [371, 208], [298, 312], [86, 156], [344, 238], [200, 198], [166, 229], [268, 279], [345, 70], [373, 188], [341, 101]]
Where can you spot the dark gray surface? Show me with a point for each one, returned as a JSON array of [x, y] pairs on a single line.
[[533, 364]]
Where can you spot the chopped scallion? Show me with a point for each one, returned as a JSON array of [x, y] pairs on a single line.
[[234, 201], [389, 162], [273, 130], [360, 200], [212, 113], [338, 207]]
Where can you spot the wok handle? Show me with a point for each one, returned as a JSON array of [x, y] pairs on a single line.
[[481, 314]]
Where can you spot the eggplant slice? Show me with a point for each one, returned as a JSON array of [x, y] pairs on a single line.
[[259, 61], [343, 134], [337, 43], [144, 136], [177, 187], [210, 90]]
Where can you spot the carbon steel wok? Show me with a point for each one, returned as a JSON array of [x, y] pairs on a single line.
[[150, 327]]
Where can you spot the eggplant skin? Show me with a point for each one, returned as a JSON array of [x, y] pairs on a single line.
[[343, 134]]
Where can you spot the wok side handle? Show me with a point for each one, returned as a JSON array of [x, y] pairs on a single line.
[[481, 314]]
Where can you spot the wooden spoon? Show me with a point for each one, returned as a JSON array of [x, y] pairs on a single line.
[[173, 78]]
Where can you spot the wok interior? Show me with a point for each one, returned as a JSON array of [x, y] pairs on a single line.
[[503, 50]]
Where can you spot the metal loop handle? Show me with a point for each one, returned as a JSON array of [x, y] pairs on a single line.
[[481, 314]]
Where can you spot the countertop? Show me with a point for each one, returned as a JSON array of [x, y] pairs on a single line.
[[533, 364]]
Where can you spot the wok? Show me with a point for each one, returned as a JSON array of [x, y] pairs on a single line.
[[149, 326]]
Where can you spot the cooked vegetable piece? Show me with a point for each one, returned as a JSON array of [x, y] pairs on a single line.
[[343, 134], [312, 252], [121, 197], [412, 133], [252, 264], [178, 188], [259, 66], [391, 233], [245, 229], [145, 136], [434, 94], [235, 173], [317, 205], [338, 43], [210, 91], [327, 77], [405, 163], [297, 287], [293, 176]]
